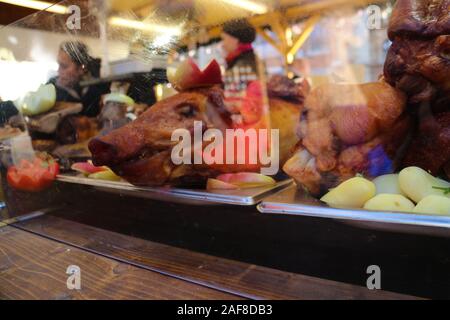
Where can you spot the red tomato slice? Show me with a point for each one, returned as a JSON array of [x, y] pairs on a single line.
[[32, 176]]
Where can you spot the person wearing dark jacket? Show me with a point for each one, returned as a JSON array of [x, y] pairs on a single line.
[[237, 37], [7, 111], [76, 65]]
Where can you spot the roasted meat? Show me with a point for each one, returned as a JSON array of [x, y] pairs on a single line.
[[140, 151], [75, 128], [426, 18], [286, 99], [282, 87], [430, 150], [418, 63], [421, 68], [348, 129]]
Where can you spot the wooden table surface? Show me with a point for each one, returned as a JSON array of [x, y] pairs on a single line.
[[35, 254], [33, 267]]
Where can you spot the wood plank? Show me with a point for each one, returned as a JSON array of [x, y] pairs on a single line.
[[249, 280], [33, 267]]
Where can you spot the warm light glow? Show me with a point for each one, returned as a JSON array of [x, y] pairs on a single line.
[[38, 5], [290, 58], [159, 92], [162, 40], [145, 26], [248, 5], [289, 36]]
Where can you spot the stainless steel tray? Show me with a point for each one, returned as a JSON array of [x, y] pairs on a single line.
[[243, 197], [292, 201]]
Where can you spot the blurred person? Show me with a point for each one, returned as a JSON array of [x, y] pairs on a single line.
[[243, 90], [75, 65], [237, 37]]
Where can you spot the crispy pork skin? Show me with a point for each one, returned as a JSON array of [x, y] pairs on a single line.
[[418, 63], [348, 129]]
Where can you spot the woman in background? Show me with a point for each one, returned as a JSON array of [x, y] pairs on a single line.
[[76, 65]]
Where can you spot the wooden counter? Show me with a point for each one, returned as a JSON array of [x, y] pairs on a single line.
[[35, 254]]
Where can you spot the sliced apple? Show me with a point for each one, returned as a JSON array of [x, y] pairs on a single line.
[[38, 102], [188, 75], [105, 175], [247, 179], [212, 74], [87, 168], [119, 98], [214, 184]]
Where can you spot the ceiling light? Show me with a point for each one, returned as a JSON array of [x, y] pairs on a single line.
[[38, 5], [248, 5]]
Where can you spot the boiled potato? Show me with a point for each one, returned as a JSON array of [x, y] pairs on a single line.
[[416, 183], [353, 193], [439, 205], [388, 184], [389, 202]]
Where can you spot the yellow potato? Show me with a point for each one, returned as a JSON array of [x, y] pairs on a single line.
[[416, 183], [432, 204], [353, 193], [388, 183], [389, 202]]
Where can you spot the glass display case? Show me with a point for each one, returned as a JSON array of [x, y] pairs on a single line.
[[209, 124]]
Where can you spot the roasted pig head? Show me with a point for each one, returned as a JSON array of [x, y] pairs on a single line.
[[140, 151], [345, 130]]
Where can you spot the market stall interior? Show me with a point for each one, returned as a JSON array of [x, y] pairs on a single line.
[[281, 114]]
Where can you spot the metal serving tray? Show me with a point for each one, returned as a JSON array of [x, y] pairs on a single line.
[[292, 201], [243, 197]]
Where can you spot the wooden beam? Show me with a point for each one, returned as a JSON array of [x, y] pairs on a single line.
[[278, 29], [296, 13], [301, 39], [269, 39], [320, 6]]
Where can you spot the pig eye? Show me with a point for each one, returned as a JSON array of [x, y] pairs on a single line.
[[187, 110]]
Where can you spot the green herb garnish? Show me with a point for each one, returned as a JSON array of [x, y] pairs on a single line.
[[446, 191]]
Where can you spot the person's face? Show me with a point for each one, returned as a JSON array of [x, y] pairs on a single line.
[[229, 43], [69, 73]]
